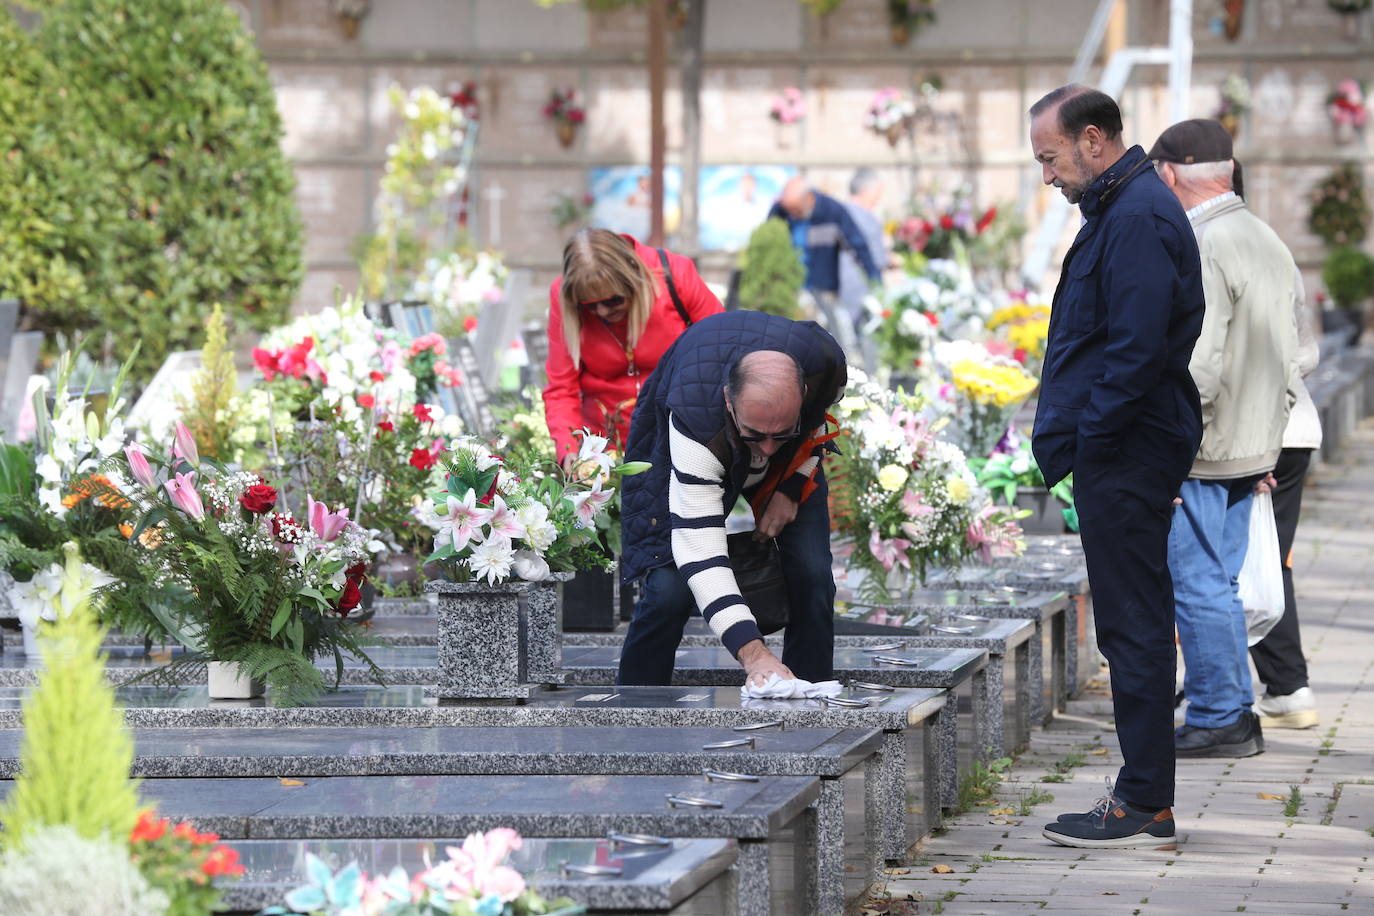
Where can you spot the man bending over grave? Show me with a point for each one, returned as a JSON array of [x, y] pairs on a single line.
[[736, 407]]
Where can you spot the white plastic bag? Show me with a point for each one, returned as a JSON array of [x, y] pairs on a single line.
[[1261, 577]]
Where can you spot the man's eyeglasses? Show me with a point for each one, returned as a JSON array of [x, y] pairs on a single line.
[[610, 302], [754, 437]]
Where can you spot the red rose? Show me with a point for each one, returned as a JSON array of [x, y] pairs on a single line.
[[422, 458], [259, 498], [470, 323], [946, 222], [386, 426], [366, 400], [377, 376], [352, 596], [423, 412], [357, 571]]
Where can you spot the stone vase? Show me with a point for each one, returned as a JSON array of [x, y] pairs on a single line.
[[228, 681], [499, 642]]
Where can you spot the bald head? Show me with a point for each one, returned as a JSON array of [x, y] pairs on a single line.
[[764, 395], [797, 198]]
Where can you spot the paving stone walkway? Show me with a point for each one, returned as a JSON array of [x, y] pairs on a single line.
[[1290, 831]]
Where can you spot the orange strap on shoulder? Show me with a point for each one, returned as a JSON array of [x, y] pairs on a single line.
[[800, 457]]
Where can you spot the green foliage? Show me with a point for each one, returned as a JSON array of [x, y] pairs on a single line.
[[978, 784], [210, 411], [1340, 207], [771, 271], [58, 215], [76, 755], [1348, 274], [58, 872], [204, 209]]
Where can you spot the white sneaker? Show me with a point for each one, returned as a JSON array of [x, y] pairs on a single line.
[[1296, 710]]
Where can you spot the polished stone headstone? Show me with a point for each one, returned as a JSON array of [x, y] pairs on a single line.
[[685, 877]]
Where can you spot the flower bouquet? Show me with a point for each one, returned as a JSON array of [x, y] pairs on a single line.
[[1346, 105], [236, 580], [983, 391], [1026, 327], [472, 881], [457, 286], [495, 523], [903, 497], [564, 111], [890, 114], [907, 326], [1235, 101], [789, 106], [1010, 471]]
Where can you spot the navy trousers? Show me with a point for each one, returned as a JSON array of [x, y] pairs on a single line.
[[1124, 513], [665, 604]]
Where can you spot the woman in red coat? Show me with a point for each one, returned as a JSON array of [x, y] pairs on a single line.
[[611, 316]]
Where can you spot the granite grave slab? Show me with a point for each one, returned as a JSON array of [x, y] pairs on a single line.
[[627, 876]]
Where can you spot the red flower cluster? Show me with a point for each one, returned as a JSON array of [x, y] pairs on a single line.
[[465, 100], [562, 106], [259, 498], [151, 842], [355, 577], [294, 361], [431, 341], [423, 458], [423, 412]]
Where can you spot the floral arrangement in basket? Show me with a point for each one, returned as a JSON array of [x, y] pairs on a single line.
[[984, 392], [890, 114], [472, 881], [1346, 105], [905, 498], [495, 522], [788, 107], [233, 577]]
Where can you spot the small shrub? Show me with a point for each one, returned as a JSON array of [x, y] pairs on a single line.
[[771, 271]]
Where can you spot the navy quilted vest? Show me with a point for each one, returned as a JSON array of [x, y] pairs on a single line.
[[689, 383]]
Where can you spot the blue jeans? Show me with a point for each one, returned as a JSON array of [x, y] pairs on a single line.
[[1207, 543], [666, 602]]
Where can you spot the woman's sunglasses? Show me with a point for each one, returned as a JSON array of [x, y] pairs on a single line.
[[610, 302]]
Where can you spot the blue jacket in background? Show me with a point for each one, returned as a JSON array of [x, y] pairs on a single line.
[[689, 384], [827, 228], [1125, 317]]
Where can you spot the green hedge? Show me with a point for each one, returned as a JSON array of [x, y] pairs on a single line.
[[191, 198]]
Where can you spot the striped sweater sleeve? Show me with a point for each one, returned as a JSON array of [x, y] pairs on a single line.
[[696, 496]]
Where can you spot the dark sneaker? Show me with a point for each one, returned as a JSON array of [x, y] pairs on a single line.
[[1242, 738], [1113, 824]]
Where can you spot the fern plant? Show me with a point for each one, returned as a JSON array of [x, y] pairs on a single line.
[[76, 755]]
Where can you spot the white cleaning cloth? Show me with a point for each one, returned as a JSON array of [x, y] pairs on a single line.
[[778, 688]]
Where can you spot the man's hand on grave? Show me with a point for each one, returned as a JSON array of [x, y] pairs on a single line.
[[759, 662], [781, 511]]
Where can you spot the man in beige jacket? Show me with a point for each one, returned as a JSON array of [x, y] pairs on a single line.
[[1246, 370]]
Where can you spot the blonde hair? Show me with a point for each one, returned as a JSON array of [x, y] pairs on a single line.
[[598, 259]]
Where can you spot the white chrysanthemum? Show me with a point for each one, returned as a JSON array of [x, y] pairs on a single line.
[[541, 537], [492, 560]]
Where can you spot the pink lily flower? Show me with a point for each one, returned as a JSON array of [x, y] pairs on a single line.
[[889, 551], [914, 505], [185, 445], [139, 467], [463, 523], [326, 525], [182, 489], [587, 504], [503, 520], [477, 868]]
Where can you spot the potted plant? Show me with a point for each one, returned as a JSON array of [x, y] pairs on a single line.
[[566, 114], [1014, 479], [252, 593], [501, 531], [1348, 274]]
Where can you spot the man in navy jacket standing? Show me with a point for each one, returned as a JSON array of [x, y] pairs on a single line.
[[1118, 409]]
